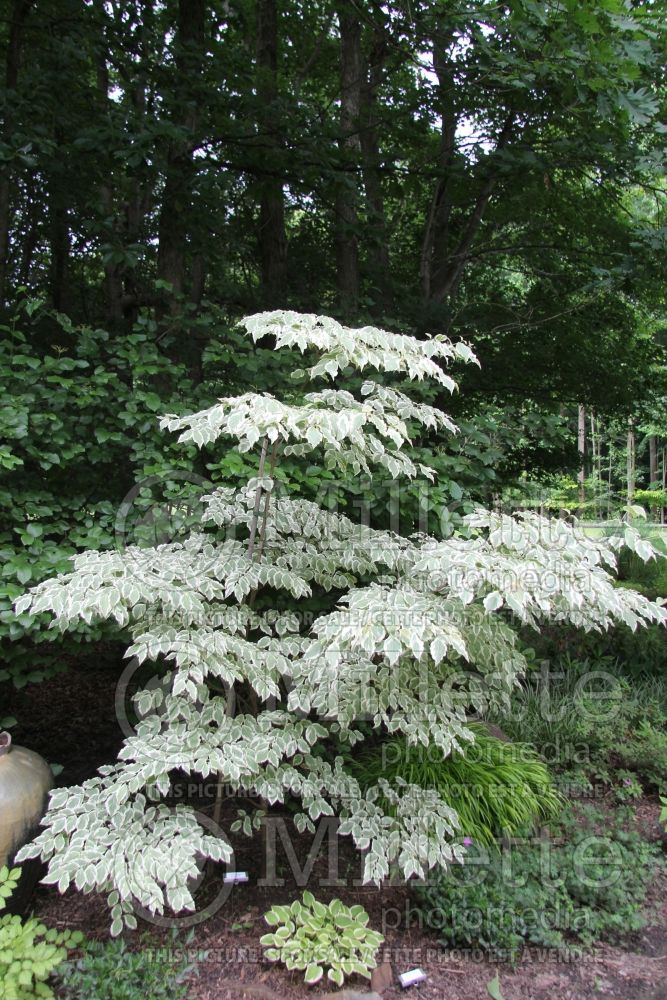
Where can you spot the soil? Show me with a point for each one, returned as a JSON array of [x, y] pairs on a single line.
[[70, 719]]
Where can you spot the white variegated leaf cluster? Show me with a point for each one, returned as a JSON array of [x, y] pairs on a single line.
[[354, 435], [423, 635], [340, 347]]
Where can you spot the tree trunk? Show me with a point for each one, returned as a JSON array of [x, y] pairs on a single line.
[[609, 471], [595, 469], [378, 239], [18, 15], [32, 208], [59, 236], [446, 287], [347, 251], [141, 191], [631, 463], [581, 447], [113, 280], [173, 230], [653, 460], [272, 236], [443, 262], [435, 243], [653, 465]]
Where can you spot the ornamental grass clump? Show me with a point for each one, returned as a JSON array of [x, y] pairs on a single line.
[[420, 632], [495, 787]]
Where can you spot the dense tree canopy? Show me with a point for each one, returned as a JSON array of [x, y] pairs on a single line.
[[488, 170], [456, 165]]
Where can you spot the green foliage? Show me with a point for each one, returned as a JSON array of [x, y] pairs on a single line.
[[590, 721], [8, 881], [586, 883], [109, 970], [78, 421], [654, 499], [493, 988], [29, 952], [495, 787], [663, 811], [649, 580], [312, 936], [628, 787], [641, 654], [86, 466], [644, 752], [562, 493]]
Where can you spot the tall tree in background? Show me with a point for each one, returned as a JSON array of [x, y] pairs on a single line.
[[272, 239], [455, 167], [346, 207], [15, 42], [174, 226], [376, 234]]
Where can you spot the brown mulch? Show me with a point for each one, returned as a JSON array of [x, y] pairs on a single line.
[[230, 963]]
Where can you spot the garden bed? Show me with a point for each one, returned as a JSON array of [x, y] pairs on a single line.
[[56, 719], [230, 963]]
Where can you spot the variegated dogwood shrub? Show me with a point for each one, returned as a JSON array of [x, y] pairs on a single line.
[[420, 633]]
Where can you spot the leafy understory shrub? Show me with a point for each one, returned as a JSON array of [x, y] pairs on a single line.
[[110, 971], [29, 951], [425, 631], [312, 936], [9, 879], [593, 724], [495, 787], [587, 884]]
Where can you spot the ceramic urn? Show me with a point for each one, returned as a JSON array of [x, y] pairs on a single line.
[[25, 780]]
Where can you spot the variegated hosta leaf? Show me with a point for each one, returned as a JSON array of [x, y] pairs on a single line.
[[312, 936]]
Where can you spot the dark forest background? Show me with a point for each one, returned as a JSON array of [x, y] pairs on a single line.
[[491, 171]]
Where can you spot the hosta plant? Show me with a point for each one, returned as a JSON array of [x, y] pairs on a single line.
[[29, 951], [312, 936], [415, 633]]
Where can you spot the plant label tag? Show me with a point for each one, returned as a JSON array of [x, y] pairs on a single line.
[[235, 877], [411, 978]]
